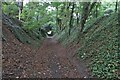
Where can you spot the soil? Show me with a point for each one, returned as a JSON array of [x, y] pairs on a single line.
[[51, 60]]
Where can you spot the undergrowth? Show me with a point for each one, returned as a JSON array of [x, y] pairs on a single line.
[[99, 44], [32, 37]]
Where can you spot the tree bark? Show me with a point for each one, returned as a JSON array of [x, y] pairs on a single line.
[[77, 19], [20, 7], [87, 8], [71, 18], [84, 14], [57, 16], [116, 5], [96, 11]]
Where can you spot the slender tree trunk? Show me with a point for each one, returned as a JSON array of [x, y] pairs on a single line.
[[57, 18], [96, 11], [84, 14], [116, 5], [66, 15], [71, 18], [118, 21], [77, 19], [87, 8], [119, 15], [62, 14], [20, 7], [37, 17], [19, 13]]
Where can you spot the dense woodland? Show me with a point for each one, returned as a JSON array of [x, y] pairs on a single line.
[[93, 26]]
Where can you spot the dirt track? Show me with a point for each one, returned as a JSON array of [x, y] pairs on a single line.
[[51, 60]]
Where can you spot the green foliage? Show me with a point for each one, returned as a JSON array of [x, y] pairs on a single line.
[[36, 17], [10, 9], [101, 45], [55, 4]]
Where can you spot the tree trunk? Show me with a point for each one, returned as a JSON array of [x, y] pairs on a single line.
[[71, 18], [20, 7], [119, 15], [96, 11], [57, 17], [84, 14], [37, 17], [116, 5], [87, 8], [77, 19]]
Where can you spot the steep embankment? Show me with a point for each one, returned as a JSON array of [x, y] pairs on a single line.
[[100, 44], [97, 45], [18, 48], [17, 57], [32, 37]]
